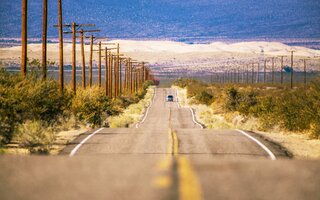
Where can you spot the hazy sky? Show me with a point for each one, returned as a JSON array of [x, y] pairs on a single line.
[[174, 18]]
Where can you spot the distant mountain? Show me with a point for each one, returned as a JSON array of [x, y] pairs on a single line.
[[181, 20]]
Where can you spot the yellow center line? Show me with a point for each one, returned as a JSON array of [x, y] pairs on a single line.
[[189, 187], [188, 184]]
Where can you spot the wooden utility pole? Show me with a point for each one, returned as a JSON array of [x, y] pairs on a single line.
[[252, 74], [24, 36], [291, 74], [116, 72], [99, 63], [305, 73], [247, 74], [272, 70], [111, 70], [265, 71], [258, 73], [106, 74], [281, 70], [83, 59], [60, 44], [74, 75], [44, 38], [90, 60]]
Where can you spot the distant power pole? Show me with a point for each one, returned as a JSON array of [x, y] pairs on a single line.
[[291, 75], [99, 63], [83, 63], [24, 35], [44, 38], [265, 71], [252, 74], [60, 44], [281, 70], [272, 70], [90, 60]]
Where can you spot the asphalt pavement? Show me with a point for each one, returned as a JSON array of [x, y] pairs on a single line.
[[167, 156]]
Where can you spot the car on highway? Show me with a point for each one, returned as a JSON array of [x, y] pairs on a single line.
[[170, 98]]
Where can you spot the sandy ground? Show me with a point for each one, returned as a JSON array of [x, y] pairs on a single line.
[[169, 56]]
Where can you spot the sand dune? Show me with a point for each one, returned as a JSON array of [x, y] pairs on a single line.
[[175, 56]]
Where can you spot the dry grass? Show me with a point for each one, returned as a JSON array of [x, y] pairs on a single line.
[[300, 145], [133, 113]]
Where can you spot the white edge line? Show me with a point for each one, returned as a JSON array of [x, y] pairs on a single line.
[[146, 114], [194, 118], [271, 155], [74, 151]]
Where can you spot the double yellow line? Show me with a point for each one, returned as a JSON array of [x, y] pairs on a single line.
[[173, 143], [189, 187]]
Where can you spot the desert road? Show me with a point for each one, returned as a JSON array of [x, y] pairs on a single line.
[[166, 156]]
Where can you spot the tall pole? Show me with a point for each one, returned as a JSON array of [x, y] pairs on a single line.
[[90, 61], [258, 75], [24, 35], [110, 74], [265, 71], [291, 74], [272, 70], [106, 71], [83, 60], [281, 70], [60, 43], [74, 67], [247, 74], [252, 74], [120, 76], [305, 73], [99, 64], [44, 38]]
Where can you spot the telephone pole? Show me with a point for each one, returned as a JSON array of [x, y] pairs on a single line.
[[265, 71], [291, 75], [60, 45], [74, 30], [24, 36], [44, 38]]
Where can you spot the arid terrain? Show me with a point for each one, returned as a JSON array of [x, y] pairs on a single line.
[[176, 57]]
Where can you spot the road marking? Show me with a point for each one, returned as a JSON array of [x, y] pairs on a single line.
[[146, 114], [194, 118], [271, 155], [74, 151], [189, 187], [170, 142]]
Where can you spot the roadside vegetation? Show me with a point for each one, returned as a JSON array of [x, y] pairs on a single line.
[[133, 113], [255, 107], [32, 111]]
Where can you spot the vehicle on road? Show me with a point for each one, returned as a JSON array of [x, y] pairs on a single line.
[[170, 98]]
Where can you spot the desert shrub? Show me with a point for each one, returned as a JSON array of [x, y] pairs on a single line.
[[266, 112], [246, 103], [28, 99], [233, 99], [91, 106], [204, 97], [36, 136]]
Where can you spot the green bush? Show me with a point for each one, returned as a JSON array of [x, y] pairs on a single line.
[[292, 110], [233, 99], [91, 106], [28, 99], [247, 103], [204, 98]]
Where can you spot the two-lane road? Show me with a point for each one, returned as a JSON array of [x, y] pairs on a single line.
[[167, 157]]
